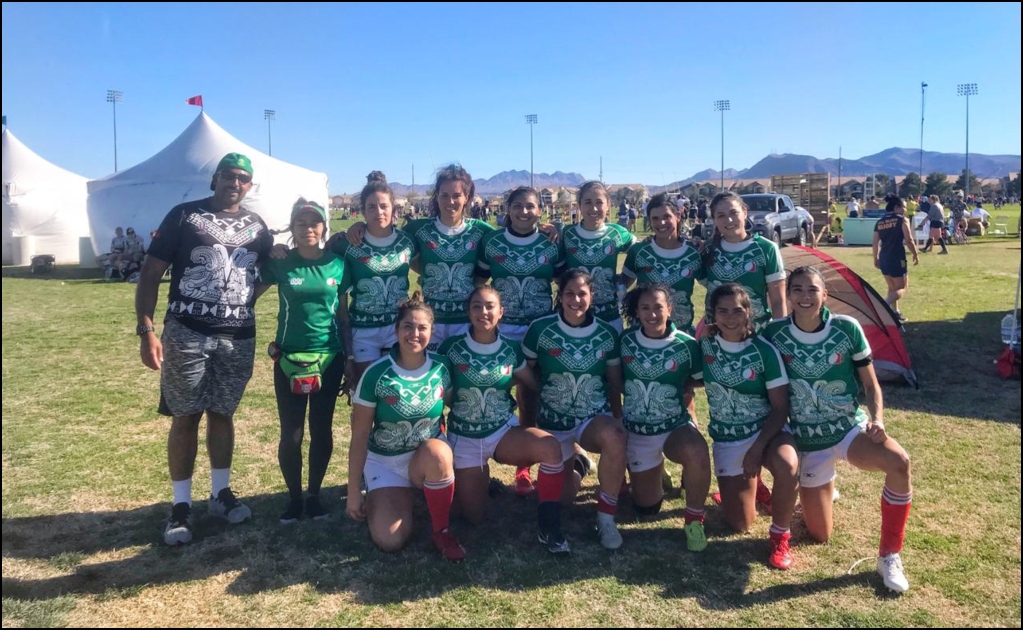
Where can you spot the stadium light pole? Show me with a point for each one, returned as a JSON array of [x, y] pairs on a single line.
[[268, 115], [531, 120], [923, 96], [115, 97], [967, 90], [722, 106]]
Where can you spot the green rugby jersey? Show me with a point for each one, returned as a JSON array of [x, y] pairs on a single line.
[[408, 404], [753, 263], [679, 268], [597, 253], [309, 292], [521, 269], [379, 269], [447, 259], [736, 377], [824, 386], [572, 362], [482, 380], [655, 372]]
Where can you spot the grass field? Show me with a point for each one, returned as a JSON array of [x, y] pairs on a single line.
[[85, 491]]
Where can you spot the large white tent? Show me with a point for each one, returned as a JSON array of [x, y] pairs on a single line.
[[44, 206], [141, 196]]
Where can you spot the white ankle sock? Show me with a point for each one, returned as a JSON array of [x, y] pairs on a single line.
[[221, 479], [182, 491]]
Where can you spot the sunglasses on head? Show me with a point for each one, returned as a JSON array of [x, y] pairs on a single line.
[[228, 176]]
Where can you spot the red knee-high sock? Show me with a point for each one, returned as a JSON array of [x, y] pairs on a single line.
[[894, 514], [549, 481], [607, 504], [439, 496]]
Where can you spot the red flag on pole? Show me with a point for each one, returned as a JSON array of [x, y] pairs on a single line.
[[195, 100]]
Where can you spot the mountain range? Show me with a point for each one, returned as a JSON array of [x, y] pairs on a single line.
[[894, 161]]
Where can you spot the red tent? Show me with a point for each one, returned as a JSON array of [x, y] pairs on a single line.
[[849, 294]]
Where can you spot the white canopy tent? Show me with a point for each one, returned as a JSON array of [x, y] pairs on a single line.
[[141, 196], [44, 206]]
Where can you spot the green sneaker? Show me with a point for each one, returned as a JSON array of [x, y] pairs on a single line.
[[696, 539]]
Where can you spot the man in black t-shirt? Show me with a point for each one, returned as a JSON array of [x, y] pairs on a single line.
[[206, 353]]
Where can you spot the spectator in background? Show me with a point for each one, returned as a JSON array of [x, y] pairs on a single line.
[[872, 204], [980, 213], [852, 209], [135, 247], [936, 215]]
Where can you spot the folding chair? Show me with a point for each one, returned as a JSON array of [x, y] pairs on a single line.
[[1000, 225]]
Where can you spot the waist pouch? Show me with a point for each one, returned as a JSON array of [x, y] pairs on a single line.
[[303, 369]]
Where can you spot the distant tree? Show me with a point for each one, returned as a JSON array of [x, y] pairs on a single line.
[[961, 182], [564, 198], [1013, 189], [938, 184], [911, 186]]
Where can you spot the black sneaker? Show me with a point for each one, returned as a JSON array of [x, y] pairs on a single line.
[[314, 509], [178, 530], [292, 513], [555, 543], [227, 506]]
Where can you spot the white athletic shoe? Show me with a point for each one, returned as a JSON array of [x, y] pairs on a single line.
[[890, 568]]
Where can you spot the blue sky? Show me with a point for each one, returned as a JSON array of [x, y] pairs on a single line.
[[359, 87]]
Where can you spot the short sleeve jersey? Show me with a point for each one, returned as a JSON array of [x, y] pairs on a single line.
[[447, 258], [408, 404], [309, 294], [521, 270], [655, 371], [572, 362], [678, 268], [597, 253], [482, 380], [213, 275], [379, 270], [753, 264], [891, 237], [823, 384], [736, 377]]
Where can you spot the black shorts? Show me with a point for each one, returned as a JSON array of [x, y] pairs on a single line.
[[894, 268], [937, 225]]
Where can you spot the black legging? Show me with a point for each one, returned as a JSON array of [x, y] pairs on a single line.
[[291, 408]]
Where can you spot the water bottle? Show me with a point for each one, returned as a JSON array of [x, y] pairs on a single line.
[[1009, 327]]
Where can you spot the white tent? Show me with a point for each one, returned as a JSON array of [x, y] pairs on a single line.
[[141, 196], [44, 206]]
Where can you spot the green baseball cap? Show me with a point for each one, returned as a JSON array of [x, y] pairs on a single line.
[[235, 160], [302, 205]]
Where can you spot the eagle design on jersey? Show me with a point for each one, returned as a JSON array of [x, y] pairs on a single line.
[[733, 409], [819, 403], [447, 283], [404, 436], [524, 297], [603, 285], [379, 296], [682, 309], [490, 407], [650, 402], [569, 397], [220, 277]]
